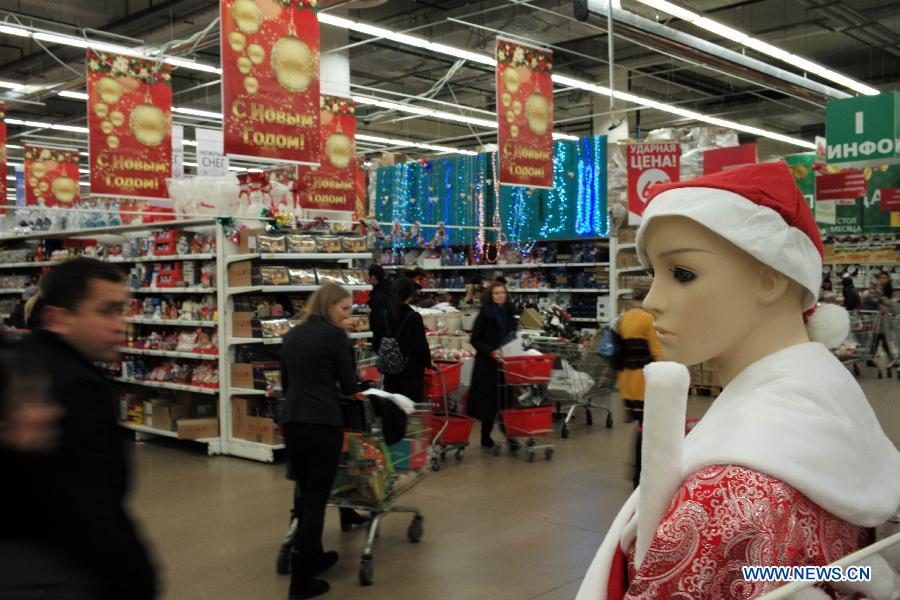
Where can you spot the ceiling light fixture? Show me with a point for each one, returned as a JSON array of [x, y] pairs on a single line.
[[759, 45], [411, 144], [73, 95]]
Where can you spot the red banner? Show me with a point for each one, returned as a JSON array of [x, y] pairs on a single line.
[[362, 206], [3, 158], [648, 165], [270, 79], [723, 159], [889, 199], [524, 114], [846, 185], [51, 176], [130, 122], [332, 185]]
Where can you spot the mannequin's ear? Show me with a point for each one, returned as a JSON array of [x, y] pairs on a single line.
[[773, 285]]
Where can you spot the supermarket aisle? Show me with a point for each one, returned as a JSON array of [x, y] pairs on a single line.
[[495, 528]]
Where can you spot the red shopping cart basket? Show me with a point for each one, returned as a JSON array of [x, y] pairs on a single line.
[[452, 429], [528, 422], [521, 370], [442, 380]]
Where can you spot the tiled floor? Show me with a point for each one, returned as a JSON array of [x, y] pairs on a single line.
[[496, 528]]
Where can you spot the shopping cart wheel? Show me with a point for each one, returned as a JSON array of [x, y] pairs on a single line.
[[565, 431], [283, 564], [609, 420], [435, 464], [548, 453], [460, 453], [415, 531], [366, 572], [531, 456], [444, 455]]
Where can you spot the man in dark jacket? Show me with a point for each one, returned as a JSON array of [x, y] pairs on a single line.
[[379, 303], [65, 508]]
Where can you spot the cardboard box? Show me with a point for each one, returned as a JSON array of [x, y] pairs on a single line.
[[242, 375], [240, 274], [241, 325], [248, 240], [252, 376], [166, 414], [192, 429], [203, 408], [255, 429]]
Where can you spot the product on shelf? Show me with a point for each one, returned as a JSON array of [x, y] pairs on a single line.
[[274, 275], [274, 327], [256, 368], [15, 281], [354, 276], [328, 244], [253, 419], [354, 244], [271, 243], [301, 244], [303, 276], [332, 275], [174, 309]]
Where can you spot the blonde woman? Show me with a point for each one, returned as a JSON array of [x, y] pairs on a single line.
[[318, 369]]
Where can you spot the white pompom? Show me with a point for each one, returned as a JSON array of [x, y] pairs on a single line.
[[830, 325]]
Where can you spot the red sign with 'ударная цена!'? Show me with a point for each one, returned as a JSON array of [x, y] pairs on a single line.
[[648, 165]]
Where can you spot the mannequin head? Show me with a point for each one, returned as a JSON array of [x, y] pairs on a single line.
[[713, 301]]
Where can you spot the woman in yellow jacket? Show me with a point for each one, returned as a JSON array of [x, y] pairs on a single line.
[[640, 346]]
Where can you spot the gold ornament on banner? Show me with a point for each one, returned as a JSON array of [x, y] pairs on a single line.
[[112, 141], [106, 127], [505, 99], [237, 41], [251, 84], [293, 63], [514, 131], [148, 123], [339, 148], [256, 54], [510, 117], [38, 170], [537, 113], [244, 65], [511, 79], [32, 181], [43, 186], [116, 118], [247, 16], [65, 189], [110, 90], [517, 108], [101, 109]]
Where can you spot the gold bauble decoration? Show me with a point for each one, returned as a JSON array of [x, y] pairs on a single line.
[[293, 63], [514, 131], [101, 110], [43, 186], [537, 112], [237, 41], [510, 117], [106, 127], [149, 124], [110, 90], [38, 170], [247, 15], [112, 141], [511, 79], [517, 108], [256, 54], [65, 189], [244, 65], [505, 99], [32, 182], [116, 118], [251, 84], [339, 150]]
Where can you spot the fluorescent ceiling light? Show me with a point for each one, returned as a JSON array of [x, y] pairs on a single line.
[[11, 85], [190, 64], [188, 143], [760, 46], [411, 144], [197, 113], [74, 95], [40, 125], [424, 112], [9, 30]]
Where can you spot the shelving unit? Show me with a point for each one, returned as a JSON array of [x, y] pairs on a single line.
[[170, 322], [517, 266], [164, 385], [173, 290], [169, 354], [615, 248]]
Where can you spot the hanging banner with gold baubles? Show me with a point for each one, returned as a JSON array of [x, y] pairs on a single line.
[[332, 185], [270, 79], [51, 177], [3, 158], [130, 123], [524, 114]]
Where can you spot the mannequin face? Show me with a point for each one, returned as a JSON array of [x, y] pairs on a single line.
[[708, 295]]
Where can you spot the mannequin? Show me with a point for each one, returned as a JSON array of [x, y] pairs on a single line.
[[789, 466]]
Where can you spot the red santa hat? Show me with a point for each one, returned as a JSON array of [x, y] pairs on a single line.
[[759, 209]]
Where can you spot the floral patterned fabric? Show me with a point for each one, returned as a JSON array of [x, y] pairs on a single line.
[[725, 517]]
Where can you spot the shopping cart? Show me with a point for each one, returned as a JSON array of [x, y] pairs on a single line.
[[366, 359], [372, 476], [582, 380], [860, 345], [525, 378], [888, 337], [451, 429]]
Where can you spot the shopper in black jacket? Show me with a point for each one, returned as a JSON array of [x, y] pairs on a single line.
[[495, 325], [852, 300], [318, 369], [407, 326], [379, 303], [66, 508]]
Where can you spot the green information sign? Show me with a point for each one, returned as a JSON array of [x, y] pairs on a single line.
[[802, 167], [876, 220], [848, 218], [863, 131]]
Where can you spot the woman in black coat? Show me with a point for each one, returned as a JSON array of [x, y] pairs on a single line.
[[407, 327], [494, 326]]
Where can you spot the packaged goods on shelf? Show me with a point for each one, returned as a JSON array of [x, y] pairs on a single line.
[[254, 420], [271, 243], [175, 309], [354, 244], [301, 244], [274, 275], [330, 275], [15, 281], [328, 244], [17, 255], [303, 276], [256, 369]]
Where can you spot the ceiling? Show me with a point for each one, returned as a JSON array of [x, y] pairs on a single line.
[[859, 38]]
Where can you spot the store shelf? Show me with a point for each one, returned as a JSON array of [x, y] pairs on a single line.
[[584, 320], [444, 290], [625, 291], [627, 246], [167, 386], [362, 335], [498, 267], [172, 322], [247, 392], [625, 270], [253, 450], [117, 230], [171, 257], [153, 430], [28, 265], [317, 256], [174, 290], [169, 353], [8, 291], [288, 289]]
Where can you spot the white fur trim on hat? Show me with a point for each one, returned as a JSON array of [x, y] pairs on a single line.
[[829, 324], [758, 230]]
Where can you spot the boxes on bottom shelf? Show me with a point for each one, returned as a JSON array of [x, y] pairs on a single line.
[[192, 429], [256, 375], [244, 426], [165, 412]]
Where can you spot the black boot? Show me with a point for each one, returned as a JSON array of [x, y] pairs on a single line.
[[326, 561], [303, 585]]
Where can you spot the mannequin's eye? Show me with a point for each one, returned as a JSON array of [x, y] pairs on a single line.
[[682, 275], [651, 272]]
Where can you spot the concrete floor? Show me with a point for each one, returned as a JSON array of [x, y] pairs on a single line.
[[496, 528]]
